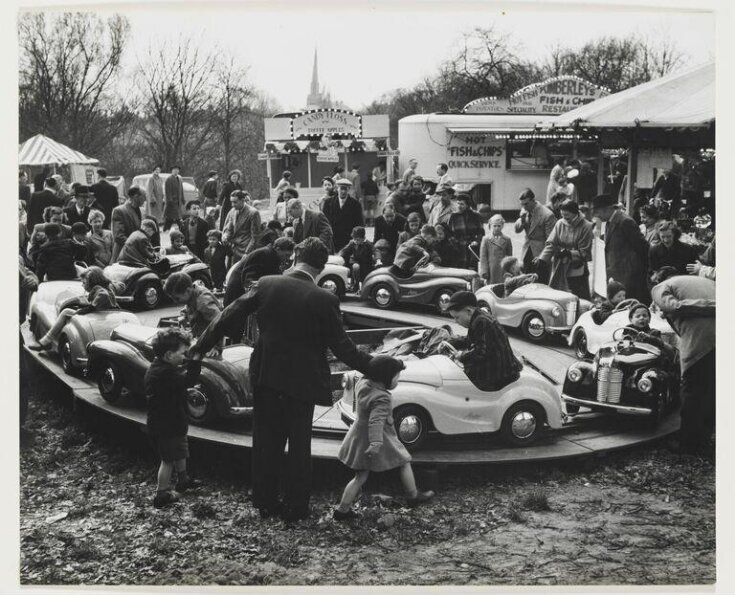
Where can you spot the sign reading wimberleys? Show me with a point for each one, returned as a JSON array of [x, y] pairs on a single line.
[[332, 122], [552, 96]]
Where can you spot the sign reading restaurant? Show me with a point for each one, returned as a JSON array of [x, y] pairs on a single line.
[[332, 122], [553, 96]]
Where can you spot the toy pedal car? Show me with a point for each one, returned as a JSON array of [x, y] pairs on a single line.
[[626, 376], [50, 299], [537, 309], [223, 390], [143, 286], [430, 284]]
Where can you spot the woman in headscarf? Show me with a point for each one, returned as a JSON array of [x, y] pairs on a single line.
[[234, 182]]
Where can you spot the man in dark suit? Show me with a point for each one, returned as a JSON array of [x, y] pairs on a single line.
[[344, 213], [388, 226], [39, 201], [174, 191], [79, 211], [126, 219], [105, 195], [289, 372], [195, 229], [668, 188], [626, 250], [24, 190], [309, 224], [268, 260], [209, 190]]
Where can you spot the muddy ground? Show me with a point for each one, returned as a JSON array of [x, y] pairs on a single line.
[[640, 517]]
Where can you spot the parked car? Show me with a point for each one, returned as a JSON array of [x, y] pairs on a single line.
[[430, 284], [626, 376], [586, 336], [143, 287], [537, 309], [335, 277], [223, 390], [190, 188], [434, 394], [50, 299]]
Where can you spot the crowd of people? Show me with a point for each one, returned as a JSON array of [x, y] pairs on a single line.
[[419, 222]]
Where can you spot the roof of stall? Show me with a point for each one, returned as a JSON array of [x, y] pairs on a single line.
[[42, 150], [476, 122], [685, 99]]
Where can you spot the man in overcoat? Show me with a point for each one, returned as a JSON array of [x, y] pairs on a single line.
[[242, 225], [126, 219], [344, 213], [626, 250], [289, 373], [105, 196], [537, 221], [174, 190]]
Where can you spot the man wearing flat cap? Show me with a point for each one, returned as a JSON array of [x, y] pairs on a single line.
[[442, 209], [626, 250], [344, 214], [487, 357]]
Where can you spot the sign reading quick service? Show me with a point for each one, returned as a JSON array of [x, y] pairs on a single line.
[[472, 156]]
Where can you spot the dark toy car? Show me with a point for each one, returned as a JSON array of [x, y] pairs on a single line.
[[143, 286], [223, 390], [626, 376], [431, 284]]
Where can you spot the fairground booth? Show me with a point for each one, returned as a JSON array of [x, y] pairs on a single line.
[[493, 148], [311, 143]]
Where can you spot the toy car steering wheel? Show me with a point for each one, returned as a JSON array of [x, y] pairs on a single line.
[[422, 262], [625, 304], [446, 348]]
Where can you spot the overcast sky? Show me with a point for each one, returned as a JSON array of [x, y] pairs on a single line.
[[364, 53]]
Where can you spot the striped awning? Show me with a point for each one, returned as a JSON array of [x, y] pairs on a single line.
[[42, 150]]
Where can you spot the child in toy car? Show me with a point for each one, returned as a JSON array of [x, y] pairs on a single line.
[[615, 295]]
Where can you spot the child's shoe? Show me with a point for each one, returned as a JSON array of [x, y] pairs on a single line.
[[166, 498], [187, 484], [419, 498], [350, 515]]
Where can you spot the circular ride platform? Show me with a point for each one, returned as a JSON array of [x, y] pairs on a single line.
[[588, 434]]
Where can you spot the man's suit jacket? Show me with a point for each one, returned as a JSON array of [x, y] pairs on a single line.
[[125, 220], [259, 263], [626, 256], [538, 227], [36, 205], [297, 321], [315, 225], [174, 189], [343, 219], [200, 236], [106, 199], [242, 229], [73, 216]]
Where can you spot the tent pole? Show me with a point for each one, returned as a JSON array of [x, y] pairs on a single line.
[[632, 172]]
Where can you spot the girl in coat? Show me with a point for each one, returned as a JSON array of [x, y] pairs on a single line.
[[569, 248], [493, 249], [371, 444]]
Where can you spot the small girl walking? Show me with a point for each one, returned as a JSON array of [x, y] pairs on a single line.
[[371, 444]]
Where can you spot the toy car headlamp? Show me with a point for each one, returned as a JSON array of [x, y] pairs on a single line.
[[645, 384], [469, 286], [347, 381], [575, 373], [556, 311]]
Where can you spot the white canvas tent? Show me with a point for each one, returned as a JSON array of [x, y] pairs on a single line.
[[41, 150]]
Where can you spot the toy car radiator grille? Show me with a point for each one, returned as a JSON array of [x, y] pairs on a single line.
[[609, 385], [571, 313]]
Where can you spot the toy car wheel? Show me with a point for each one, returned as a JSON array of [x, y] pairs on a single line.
[[200, 406], [383, 296], [333, 284], [67, 361], [533, 327], [110, 382], [441, 299], [148, 295], [412, 426], [523, 423], [579, 344], [205, 279]]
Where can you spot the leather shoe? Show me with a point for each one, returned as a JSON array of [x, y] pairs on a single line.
[[420, 498], [350, 515]]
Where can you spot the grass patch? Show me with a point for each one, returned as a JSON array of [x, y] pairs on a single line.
[[536, 500]]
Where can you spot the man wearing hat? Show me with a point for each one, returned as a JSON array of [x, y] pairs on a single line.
[[126, 219], [79, 209], [488, 359], [344, 213], [626, 250], [105, 195], [442, 208]]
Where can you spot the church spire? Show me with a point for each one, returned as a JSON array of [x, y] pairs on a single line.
[[315, 77]]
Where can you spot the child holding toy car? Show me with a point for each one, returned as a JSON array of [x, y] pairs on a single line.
[[166, 383], [371, 444]]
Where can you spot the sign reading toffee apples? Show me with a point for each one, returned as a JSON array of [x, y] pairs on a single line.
[[553, 96], [318, 123]]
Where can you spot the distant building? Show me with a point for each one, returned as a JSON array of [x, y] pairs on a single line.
[[317, 99]]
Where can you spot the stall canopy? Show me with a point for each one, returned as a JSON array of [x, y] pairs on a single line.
[[42, 150], [684, 99]]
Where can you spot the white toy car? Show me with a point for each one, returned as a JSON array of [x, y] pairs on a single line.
[[586, 336], [434, 393]]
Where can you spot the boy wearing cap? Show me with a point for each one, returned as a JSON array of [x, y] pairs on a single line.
[[487, 357], [615, 295]]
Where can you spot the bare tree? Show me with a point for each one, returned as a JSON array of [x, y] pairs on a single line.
[[234, 97], [69, 64], [179, 87]]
